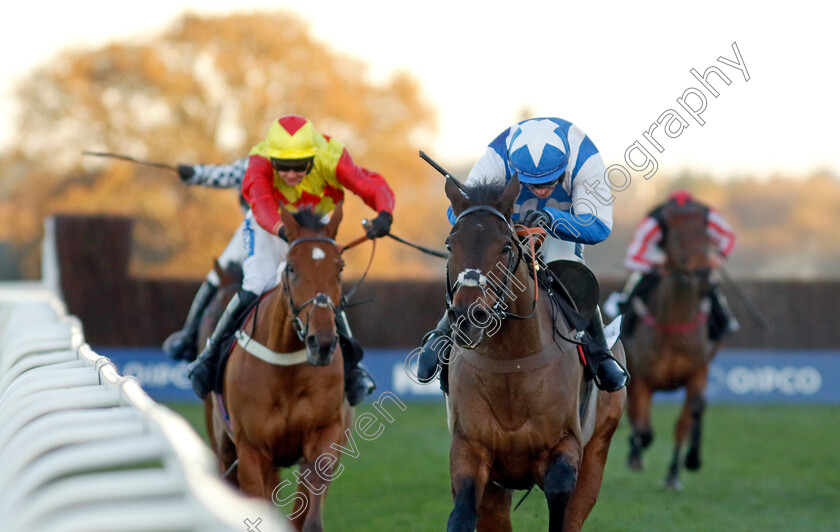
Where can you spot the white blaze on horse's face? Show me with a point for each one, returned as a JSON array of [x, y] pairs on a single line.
[[318, 253], [472, 277]]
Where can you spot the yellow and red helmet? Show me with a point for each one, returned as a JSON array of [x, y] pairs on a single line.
[[292, 137]]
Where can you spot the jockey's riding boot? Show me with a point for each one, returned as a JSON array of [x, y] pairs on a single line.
[[358, 382], [435, 351], [609, 375], [180, 345], [202, 371], [723, 319]]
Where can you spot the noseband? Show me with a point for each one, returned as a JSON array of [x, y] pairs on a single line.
[[319, 300], [474, 277]]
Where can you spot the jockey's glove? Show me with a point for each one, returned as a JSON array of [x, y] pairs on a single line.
[[536, 218], [380, 226], [186, 172]]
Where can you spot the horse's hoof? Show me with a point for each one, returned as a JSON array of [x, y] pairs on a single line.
[[672, 484], [692, 461]]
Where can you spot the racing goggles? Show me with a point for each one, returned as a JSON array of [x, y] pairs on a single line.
[[292, 165]]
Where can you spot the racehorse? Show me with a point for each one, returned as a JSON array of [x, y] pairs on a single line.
[[516, 384], [282, 400], [670, 346]]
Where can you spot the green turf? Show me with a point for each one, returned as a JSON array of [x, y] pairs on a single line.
[[765, 468]]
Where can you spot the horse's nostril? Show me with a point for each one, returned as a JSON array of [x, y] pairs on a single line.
[[312, 342], [480, 316]]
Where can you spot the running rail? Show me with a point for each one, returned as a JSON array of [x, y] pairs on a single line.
[[83, 448]]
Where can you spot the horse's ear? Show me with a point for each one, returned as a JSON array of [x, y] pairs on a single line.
[[509, 195], [457, 197], [335, 219], [292, 227]]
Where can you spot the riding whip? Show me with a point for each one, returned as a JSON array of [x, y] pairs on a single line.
[[440, 169], [131, 159], [742, 297]]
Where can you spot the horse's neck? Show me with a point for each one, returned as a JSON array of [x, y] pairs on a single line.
[[275, 324], [521, 337], [677, 301]]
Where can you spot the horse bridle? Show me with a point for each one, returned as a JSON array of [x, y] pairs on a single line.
[[318, 300], [474, 277]]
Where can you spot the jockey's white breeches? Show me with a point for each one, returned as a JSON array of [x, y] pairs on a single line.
[[556, 249], [234, 253], [264, 255]]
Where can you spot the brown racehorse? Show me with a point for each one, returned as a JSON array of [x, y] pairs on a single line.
[[670, 346], [516, 387], [284, 395]]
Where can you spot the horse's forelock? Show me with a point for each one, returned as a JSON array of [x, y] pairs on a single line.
[[484, 192], [308, 219]]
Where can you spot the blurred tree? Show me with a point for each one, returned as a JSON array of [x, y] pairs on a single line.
[[205, 91]]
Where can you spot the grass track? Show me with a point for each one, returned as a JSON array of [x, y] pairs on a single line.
[[765, 468]]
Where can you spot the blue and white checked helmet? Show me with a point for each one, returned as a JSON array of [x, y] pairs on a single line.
[[538, 151]]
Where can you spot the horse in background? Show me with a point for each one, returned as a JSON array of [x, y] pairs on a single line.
[[670, 347], [283, 402], [521, 411]]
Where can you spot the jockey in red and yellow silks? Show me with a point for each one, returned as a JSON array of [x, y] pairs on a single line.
[[294, 137], [300, 168]]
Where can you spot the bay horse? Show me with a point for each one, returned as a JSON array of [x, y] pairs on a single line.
[[516, 387], [670, 346], [283, 402]]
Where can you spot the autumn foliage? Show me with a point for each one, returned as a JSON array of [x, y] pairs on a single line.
[[205, 91]]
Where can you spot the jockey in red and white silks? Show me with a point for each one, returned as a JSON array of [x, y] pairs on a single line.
[[645, 253]]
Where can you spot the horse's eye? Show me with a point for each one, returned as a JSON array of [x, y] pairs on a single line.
[[290, 270], [448, 246], [507, 249]]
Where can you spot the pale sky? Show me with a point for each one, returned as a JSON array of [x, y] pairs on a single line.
[[612, 68]]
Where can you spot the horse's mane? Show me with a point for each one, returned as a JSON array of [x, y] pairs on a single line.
[[484, 191], [309, 219]]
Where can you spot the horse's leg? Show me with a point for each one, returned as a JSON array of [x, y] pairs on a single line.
[[469, 472], [610, 409], [559, 480], [494, 510], [255, 470], [639, 401], [317, 470], [220, 442], [696, 388], [689, 417]]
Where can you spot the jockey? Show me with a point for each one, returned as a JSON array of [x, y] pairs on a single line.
[[180, 345], [565, 193], [300, 167], [645, 258]]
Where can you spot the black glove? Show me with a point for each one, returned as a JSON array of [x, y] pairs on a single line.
[[186, 172], [282, 233], [536, 218], [380, 226]]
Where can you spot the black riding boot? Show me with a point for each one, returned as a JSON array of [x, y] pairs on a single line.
[[437, 345], [609, 375], [358, 383], [180, 345], [202, 371], [722, 320]]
